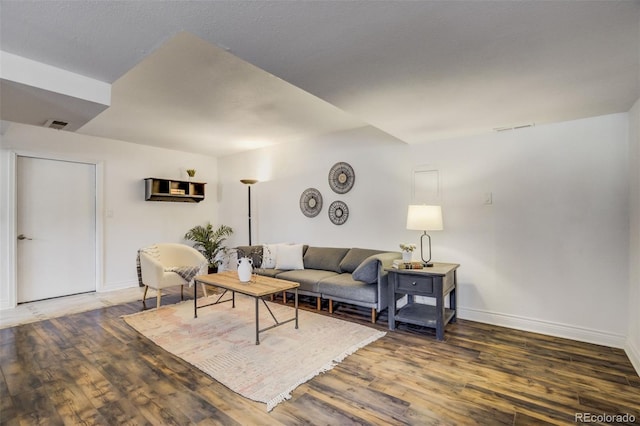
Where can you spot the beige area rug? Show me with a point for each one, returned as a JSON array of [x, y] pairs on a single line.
[[221, 343]]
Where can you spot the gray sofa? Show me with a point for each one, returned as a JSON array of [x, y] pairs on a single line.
[[349, 275]]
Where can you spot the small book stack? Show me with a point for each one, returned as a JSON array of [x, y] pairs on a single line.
[[400, 264]]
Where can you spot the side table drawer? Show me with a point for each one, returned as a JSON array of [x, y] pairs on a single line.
[[414, 284]]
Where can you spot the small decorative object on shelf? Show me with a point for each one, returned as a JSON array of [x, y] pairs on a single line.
[[402, 264], [407, 251], [191, 173]]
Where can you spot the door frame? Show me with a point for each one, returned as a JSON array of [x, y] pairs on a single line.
[[12, 236]]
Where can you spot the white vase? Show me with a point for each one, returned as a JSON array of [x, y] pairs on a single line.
[[245, 269], [406, 256]]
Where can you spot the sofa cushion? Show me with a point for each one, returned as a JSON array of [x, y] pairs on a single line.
[[324, 258], [269, 272], [367, 271], [354, 258], [308, 278], [345, 287], [289, 257]]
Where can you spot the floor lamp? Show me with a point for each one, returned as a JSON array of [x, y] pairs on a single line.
[[425, 218], [249, 182]]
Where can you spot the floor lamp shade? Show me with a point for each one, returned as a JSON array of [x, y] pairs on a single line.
[[425, 218]]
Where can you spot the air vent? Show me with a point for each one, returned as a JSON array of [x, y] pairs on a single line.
[[56, 124], [520, 126]]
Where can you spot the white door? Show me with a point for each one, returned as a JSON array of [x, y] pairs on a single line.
[[56, 219]]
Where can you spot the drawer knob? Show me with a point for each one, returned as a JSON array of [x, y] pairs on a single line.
[[413, 283]]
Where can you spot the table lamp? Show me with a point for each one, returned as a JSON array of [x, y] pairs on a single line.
[[424, 218]]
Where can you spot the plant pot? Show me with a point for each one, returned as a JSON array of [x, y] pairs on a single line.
[[213, 269]]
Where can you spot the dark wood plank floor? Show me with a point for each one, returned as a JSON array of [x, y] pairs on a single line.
[[91, 368]]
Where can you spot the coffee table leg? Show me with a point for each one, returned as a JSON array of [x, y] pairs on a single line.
[[257, 324], [195, 300], [296, 308]]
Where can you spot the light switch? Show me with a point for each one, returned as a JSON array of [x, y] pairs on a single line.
[[488, 198]]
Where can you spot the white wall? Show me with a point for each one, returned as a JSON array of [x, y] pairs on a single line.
[[549, 255], [633, 340], [129, 222]]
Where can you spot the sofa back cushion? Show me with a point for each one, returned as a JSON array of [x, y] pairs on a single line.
[[355, 257], [324, 258]]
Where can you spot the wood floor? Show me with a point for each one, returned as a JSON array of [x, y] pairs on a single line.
[[91, 368]]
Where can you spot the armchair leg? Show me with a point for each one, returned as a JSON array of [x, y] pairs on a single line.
[[182, 292], [144, 296]]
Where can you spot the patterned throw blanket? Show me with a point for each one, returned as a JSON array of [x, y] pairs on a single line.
[[188, 273]]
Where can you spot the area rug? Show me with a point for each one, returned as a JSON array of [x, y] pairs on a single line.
[[221, 343]]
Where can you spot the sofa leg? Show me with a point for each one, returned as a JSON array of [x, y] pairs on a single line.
[[318, 303], [330, 306], [373, 315], [158, 296], [284, 297]]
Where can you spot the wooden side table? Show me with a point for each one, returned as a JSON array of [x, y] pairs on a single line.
[[437, 282]]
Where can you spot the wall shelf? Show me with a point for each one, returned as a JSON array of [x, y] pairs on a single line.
[[173, 190]]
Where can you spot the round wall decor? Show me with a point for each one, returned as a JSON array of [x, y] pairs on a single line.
[[311, 202], [341, 178], [338, 212]]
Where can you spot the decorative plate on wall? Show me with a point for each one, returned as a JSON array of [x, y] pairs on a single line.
[[338, 212], [341, 178], [311, 202]]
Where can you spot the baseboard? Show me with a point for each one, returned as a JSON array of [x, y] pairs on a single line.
[[634, 355], [119, 285], [544, 327]]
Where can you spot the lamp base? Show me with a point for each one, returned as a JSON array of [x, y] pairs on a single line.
[[428, 265]]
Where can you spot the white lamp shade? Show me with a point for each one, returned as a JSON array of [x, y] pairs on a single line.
[[424, 218]]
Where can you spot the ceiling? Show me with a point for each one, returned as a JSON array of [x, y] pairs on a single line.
[[219, 77]]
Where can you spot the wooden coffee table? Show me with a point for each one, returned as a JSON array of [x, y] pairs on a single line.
[[257, 288]]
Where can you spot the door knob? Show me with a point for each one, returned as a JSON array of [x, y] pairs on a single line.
[[22, 237]]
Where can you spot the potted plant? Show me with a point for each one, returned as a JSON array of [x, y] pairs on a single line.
[[407, 251], [209, 242]]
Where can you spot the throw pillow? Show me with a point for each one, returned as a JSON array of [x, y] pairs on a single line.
[[269, 253], [289, 257], [367, 271]]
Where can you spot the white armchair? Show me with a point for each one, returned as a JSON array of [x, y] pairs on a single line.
[[167, 264]]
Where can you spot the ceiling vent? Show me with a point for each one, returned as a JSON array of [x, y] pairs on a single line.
[[56, 124], [520, 126]]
